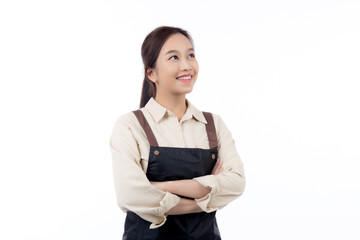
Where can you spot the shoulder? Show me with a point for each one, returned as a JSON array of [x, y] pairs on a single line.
[[216, 117], [219, 123], [125, 129], [126, 120]]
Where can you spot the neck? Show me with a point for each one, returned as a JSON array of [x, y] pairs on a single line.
[[174, 103]]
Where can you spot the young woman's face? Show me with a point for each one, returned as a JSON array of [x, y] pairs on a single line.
[[176, 67]]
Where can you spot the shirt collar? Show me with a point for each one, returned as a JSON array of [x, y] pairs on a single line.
[[158, 111]]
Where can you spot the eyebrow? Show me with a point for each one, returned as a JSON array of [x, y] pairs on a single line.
[[172, 51]]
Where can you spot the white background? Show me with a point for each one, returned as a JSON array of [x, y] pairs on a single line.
[[284, 76]]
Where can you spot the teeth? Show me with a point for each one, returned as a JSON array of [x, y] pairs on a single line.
[[184, 78]]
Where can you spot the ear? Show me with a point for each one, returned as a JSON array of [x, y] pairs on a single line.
[[150, 73]]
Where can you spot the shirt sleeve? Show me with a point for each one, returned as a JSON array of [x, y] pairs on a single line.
[[133, 190], [230, 183]]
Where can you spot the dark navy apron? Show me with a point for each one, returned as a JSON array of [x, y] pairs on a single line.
[[173, 163]]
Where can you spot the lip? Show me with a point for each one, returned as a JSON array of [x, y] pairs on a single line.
[[186, 75]]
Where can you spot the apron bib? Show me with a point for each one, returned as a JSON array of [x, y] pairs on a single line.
[[173, 163]]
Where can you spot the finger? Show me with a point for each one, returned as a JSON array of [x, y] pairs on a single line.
[[213, 170], [215, 166], [218, 169], [220, 166]]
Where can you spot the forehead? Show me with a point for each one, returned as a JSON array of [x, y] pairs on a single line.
[[176, 42]]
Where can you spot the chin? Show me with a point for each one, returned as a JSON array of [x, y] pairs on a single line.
[[188, 91], [184, 92]]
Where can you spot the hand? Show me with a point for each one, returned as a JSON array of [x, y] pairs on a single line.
[[217, 168], [160, 185]]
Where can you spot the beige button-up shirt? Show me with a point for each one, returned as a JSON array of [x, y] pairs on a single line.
[[130, 151]]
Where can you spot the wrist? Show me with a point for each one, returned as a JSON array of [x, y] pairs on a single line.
[[195, 207], [166, 187]]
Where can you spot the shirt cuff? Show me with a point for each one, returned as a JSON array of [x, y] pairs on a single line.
[[208, 181], [169, 201]]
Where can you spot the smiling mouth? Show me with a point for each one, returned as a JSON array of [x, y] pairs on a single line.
[[185, 78]]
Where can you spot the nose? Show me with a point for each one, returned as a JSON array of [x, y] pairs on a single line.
[[185, 65]]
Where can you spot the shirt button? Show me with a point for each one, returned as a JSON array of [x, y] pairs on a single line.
[[156, 152], [213, 156]]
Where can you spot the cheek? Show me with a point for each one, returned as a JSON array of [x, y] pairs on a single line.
[[195, 65], [168, 75], [171, 71], [165, 71]]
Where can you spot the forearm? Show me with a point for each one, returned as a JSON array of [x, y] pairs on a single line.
[[187, 188], [185, 206]]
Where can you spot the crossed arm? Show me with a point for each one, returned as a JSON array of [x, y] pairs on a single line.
[[187, 188]]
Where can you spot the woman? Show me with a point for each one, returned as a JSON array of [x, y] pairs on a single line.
[[166, 155]]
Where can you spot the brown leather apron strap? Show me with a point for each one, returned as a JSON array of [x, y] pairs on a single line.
[[145, 125], [211, 131]]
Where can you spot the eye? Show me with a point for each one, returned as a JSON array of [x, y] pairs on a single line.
[[175, 57], [192, 55]]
